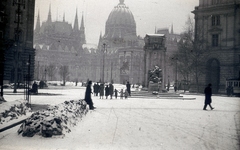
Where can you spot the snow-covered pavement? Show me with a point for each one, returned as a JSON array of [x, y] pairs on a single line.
[[140, 124]]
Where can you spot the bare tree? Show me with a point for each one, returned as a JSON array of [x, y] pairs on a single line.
[[190, 55], [51, 71], [64, 73]]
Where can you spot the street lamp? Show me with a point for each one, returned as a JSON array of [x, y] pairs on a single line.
[[45, 71], [104, 50], [17, 38], [176, 74]]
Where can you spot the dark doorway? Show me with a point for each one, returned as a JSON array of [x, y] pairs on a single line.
[[213, 74]]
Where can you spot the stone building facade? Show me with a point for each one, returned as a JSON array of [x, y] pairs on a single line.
[[217, 25], [121, 48], [59, 45], [16, 39]]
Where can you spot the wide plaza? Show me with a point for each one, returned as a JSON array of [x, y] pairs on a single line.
[[136, 123]]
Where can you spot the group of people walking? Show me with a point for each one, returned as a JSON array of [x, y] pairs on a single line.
[[108, 90]]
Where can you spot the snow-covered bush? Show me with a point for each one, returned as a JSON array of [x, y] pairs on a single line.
[[12, 110], [56, 120]]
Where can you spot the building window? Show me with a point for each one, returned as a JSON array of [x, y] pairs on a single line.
[[216, 20], [215, 40]]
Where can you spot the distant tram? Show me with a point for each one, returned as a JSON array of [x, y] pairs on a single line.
[[235, 83]]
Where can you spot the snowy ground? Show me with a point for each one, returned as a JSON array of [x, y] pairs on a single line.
[[137, 124]]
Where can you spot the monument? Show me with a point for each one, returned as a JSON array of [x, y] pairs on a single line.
[[154, 62]]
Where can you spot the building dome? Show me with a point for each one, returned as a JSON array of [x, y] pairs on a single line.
[[120, 22]]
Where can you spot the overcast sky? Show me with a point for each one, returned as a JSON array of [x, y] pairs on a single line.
[[148, 14]]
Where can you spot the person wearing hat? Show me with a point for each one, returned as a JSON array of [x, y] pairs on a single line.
[[88, 93], [208, 95]]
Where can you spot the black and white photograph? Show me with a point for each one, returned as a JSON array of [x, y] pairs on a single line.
[[120, 75]]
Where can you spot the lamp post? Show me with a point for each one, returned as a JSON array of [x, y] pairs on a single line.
[[45, 71], [17, 38], [104, 51], [111, 71], [176, 72]]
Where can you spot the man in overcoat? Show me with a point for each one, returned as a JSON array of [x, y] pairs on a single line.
[[128, 86], [208, 97], [111, 87], [88, 93]]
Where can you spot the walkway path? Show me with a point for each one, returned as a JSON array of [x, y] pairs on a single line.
[[139, 124]]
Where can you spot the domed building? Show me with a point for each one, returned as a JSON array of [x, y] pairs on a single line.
[[120, 48], [120, 26]]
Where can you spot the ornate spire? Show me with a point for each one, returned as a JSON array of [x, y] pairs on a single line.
[[49, 19], [82, 31], [172, 29], [100, 40], [75, 27], [82, 23], [37, 29]]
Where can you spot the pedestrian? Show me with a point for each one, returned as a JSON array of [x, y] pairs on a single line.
[[175, 88], [106, 91], [97, 89], [126, 94], [101, 90], [231, 91], [88, 93], [111, 87], [121, 94], [41, 84], [34, 89], [228, 90], [208, 95], [116, 93], [128, 85]]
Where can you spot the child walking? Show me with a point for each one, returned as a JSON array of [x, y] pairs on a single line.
[[126, 94], [121, 94]]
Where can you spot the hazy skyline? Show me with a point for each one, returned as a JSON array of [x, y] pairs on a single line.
[[147, 14]]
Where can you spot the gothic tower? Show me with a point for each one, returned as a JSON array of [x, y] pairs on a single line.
[[82, 32], [49, 19]]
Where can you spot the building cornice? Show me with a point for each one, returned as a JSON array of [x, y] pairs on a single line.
[[214, 8]]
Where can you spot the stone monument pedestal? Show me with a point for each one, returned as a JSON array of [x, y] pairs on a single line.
[[154, 87]]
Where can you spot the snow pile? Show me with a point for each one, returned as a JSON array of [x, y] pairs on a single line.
[[12, 110], [56, 120]]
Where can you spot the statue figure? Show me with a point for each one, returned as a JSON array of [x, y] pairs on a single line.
[[155, 75]]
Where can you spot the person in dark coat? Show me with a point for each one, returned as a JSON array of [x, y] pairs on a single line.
[[88, 93], [101, 90], [34, 88], [126, 94], [97, 89], [228, 90], [208, 95], [175, 88], [116, 93], [111, 87], [107, 91], [128, 85], [41, 84]]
